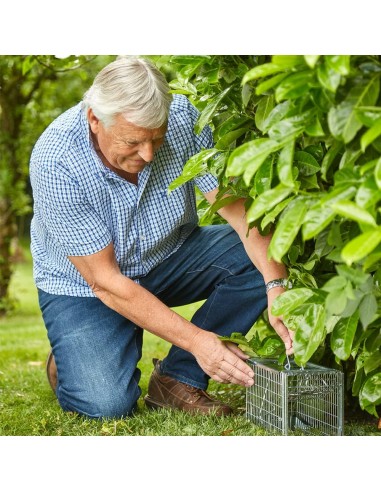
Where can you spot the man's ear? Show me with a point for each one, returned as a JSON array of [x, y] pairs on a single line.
[[93, 121]]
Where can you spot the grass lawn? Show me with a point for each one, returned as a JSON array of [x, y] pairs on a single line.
[[28, 407]]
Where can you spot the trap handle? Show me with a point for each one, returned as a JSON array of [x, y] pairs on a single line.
[[287, 366]]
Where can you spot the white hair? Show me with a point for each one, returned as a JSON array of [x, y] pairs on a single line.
[[133, 87]]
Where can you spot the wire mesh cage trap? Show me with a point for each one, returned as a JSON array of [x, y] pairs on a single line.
[[306, 400]]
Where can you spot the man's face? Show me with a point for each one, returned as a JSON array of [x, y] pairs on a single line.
[[125, 146]]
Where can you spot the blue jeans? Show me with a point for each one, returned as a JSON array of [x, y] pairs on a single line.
[[97, 350]]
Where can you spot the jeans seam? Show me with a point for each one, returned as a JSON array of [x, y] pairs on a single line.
[[212, 265]]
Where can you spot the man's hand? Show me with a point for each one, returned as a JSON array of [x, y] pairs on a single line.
[[223, 362]]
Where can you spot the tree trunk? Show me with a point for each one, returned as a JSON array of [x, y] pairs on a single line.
[[8, 231], [10, 124]]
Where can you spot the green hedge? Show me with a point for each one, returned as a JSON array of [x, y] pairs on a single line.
[[300, 138]]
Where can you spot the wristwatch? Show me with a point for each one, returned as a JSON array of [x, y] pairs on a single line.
[[279, 282]]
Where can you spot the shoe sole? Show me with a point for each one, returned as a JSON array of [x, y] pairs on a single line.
[[155, 405]]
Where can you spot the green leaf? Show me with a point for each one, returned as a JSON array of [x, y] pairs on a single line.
[[316, 151], [328, 77], [368, 309], [316, 220], [290, 127], [309, 182], [213, 75], [370, 393], [273, 214], [196, 165], [220, 203], [336, 303], [264, 108], [315, 129], [246, 94], [321, 214], [287, 229], [309, 334], [271, 346], [290, 300], [231, 122], [247, 158], [288, 61], [261, 71], [329, 157], [345, 177], [267, 201], [182, 87], [311, 60], [343, 335], [269, 83], [368, 115], [358, 380], [208, 112], [371, 259], [341, 122], [331, 322], [239, 340], [334, 284], [264, 176], [331, 237], [339, 63], [348, 159], [361, 246], [284, 164], [377, 173], [342, 119], [368, 194], [294, 86], [28, 64], [350, 210], [371, 135], [372, 362], [225, 141], [189, 60], [306, 163], [368, 286], [352, 304], [373, 341], [369, 166], [356, 276], [279, 112]]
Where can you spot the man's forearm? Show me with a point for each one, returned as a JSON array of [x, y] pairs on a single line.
[[141, 307], [256, 247], [133, 301]]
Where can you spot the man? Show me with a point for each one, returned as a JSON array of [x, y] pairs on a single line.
[[113, 251]]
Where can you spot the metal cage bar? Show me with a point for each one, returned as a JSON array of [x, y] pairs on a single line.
[[307, 400]]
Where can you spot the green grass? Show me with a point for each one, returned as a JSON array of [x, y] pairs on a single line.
[[28, 407]]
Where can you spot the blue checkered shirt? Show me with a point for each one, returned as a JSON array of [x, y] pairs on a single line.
[[81, 206]]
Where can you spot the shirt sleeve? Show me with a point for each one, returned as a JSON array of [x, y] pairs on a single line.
[[70, 221]]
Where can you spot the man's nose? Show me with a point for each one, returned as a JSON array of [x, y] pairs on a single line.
[[146, 151]]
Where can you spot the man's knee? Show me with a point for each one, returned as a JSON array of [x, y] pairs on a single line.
[[101, 404]]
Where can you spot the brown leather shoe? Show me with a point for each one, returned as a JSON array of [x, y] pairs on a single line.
[[51, 371], [166, 392]]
